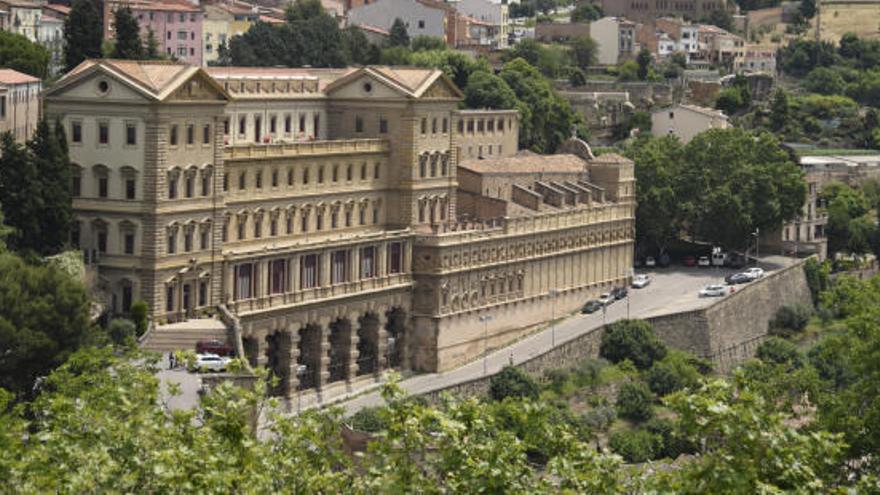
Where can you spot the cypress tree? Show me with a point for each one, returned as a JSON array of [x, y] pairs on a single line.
[[20, 194], [128, 40], [151, 46], [49, 154], [398, 36]]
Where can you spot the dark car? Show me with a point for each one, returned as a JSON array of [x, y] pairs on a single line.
[[689, 261], [591, 307], [213, 347], [737, 278], [619, 292]]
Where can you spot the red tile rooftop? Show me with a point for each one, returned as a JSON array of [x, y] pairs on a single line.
[[10, 76]]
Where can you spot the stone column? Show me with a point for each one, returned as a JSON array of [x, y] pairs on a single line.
[[294, 273], [353, 353], [407, 256], [381, 344], [293, 382], [382, 260], [228, 283], [354, 269], [325, 349], [325, 266]]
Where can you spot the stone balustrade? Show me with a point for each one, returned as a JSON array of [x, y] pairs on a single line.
[[307, 148]]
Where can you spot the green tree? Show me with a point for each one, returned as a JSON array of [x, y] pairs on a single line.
[[151, 47], [778, 351], [628, 71], [585, 12], [128, 37], [486, 90], [779, 110], [634, 340], [635, 402], [426, 43], [845, 230], [644, 60], [398, 35], [48, 151], [20, 194], [19, 53], [83, 32], [44, 318], [826, 81], [658, 216], [673, 373], [583, 51], [808, 8], [721, 18], [636, 446], [512, 382], [360, 50]]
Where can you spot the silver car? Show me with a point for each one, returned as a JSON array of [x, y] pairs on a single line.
[[714, 291], [210, 362], [640, 281]]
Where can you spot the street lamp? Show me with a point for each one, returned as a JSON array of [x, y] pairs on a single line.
[[553, 293], [756, 233], [301, 370], [485, 319]]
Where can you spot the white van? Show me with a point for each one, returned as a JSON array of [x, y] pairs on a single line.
[[719, 258]]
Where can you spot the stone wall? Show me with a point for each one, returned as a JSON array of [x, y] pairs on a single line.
[[727, 332]]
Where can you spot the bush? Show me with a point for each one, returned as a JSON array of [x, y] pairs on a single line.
[[674, 373], [635, 445], [512, 382], [599, 418], [634, 340], [790, 319], [121, 331], [139, 310], [779, 351], [588, 372], [368, 419], [817, 277], [671, 445], [558, 380], [635, 401]]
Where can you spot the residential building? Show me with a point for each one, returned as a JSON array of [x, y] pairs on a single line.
[[23, 17], [323, 212], [177, 27], [683, 33], [488, 22], [4, 18], [50, 34], [560, 32], [646, 11], [376, 36], [720, 47], [758, 59], [19, 103], [659, 43], [616, 39], [686, 121], [222, 22], [421, 18]]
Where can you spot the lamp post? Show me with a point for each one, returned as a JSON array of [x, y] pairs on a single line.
[[756, 233], [301, 370], [485, 319], [553, 293]]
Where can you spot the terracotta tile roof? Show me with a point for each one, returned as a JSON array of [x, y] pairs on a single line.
[[10, 76], [410, 78], [374, 29], [271, 20], [526, 164], [324, 76], [154, 74], [64, 9]]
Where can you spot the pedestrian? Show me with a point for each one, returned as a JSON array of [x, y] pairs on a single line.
[[510, 358], [171, 359]]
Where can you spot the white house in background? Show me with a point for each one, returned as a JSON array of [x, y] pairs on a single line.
[[491, 14], [616, 38], [421, 19], [686, 121]]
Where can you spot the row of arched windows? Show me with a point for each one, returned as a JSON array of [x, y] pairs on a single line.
[[304, 175], [190, 182]]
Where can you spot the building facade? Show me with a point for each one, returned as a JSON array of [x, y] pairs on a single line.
[[648, 10], [616, 40], [321, 207], [19, 104], [686, 121], [177, 27], [23, 17]]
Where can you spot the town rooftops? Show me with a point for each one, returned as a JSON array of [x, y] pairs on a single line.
[[526, 163], [12, 77], [372, 29], [708, 112], [23, 4]]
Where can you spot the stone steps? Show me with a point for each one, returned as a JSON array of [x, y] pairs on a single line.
[[183, 336]]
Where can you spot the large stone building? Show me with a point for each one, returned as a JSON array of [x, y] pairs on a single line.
[[650, 10], [328, 210], [19, 104]]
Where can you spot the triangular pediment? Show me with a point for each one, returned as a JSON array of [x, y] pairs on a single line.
[[365, 84], [198, 87], [441, 87]]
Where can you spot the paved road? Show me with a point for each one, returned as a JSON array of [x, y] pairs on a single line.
[[672, 290]]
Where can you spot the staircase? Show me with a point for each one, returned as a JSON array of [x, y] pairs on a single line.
[[184, 335]]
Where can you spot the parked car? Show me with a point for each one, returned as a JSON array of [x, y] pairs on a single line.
[[606, 298], [704, 262], [755, 272], [650, 261], [640, 281], [735, 261], [714, 291], [719, 258], [738, 278], [689, 261], [619, 292], [210, 362], [591, 307], [217, 347]]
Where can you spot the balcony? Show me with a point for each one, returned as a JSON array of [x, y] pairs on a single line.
[[307, 148]]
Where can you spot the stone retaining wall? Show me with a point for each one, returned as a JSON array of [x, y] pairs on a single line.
[[727, 332]]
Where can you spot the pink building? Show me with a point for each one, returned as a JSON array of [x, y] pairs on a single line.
[[176, 26]]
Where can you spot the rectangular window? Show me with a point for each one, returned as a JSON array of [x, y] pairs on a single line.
[[242, 125], [368, 262], [76, 134], [290, 177], [102, 241], [244, 281], [287, 124], [242, 181], [434, 125], [273, 124], [316, 125], [358, 124], [206, 134], [275, 177], [278, 274], [376, 171], [76, 185], [259, 179], [74, 234], [172, 242], [395, 257], [302, 123], [203, 293], [169, 294], [129, 188], [102, 187], [130, 134], [103, 133], [383, 125], [204, 239], [190, 134], [2, 107], [424, 126], [445, 125], [226, 126], [339, 267], [308, 271], [172, 136]]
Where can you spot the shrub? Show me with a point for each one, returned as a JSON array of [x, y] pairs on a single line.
[[790, 319], [674, 373], [139, 310], [779, 351], [558, 380], [635, 401], [634, 340], [671, 445], [599, 418], [588, 372], [817, 277], [122, 331], [368, 419], [635, 445], [512, 382]]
